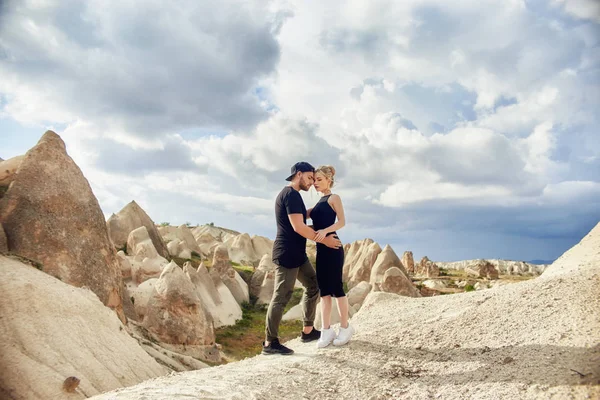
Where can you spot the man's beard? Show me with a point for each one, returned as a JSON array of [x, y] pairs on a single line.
[[304, 186]]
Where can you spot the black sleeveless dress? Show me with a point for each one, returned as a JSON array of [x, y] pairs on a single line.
[[330, 262]]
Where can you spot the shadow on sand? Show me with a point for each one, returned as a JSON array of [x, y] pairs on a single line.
[[531, 364]]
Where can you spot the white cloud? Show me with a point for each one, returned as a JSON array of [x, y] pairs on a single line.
[[147, 69], [433, 113], [403, 193], [584, 9]]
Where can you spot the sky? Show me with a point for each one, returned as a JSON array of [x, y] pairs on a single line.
[[458, 130]]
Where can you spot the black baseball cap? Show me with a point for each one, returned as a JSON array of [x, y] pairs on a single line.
[[301, 166]]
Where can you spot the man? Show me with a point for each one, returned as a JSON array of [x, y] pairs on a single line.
[[289, 254]]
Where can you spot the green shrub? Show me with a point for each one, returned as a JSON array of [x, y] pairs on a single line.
[[195, 254], [123, 248], [469, 288], [244, 271], [245, 337]]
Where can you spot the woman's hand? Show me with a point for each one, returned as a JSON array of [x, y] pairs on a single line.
[[320, 235]]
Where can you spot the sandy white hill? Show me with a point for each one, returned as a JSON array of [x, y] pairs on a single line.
[[51, 330], [483, 345]]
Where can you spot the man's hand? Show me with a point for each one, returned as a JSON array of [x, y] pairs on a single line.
[[320, 235], [332, 242]]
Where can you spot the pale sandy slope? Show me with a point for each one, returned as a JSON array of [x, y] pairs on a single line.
[[529, 340]]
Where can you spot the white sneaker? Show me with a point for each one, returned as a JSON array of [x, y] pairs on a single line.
[[344, 336], [327, 336]]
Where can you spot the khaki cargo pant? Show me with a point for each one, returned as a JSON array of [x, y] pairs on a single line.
[[285, 278]]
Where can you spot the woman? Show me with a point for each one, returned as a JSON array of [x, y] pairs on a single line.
[[330, 261]]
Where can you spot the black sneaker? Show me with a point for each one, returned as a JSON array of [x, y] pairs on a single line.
[[276, 348], [310, 337]]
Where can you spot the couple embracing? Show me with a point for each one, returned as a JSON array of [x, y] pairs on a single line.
[[289, 255]]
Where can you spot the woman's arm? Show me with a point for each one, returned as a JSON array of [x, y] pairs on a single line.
[[335, 202], [308, 212], [303, 230]]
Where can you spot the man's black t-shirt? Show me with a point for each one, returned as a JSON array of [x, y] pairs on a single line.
[[289, 249]]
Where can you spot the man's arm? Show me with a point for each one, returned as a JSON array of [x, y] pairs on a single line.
[[300, 227], [303, 230]]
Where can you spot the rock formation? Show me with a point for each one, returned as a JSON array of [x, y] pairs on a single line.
[[206, 242], [141, 296], [263, 280], [216, 298], [8, 168], [434, 284], [145, 261], [131, 217], [209, 237], [396, 281], [180, 249], [483, 269], [240, 249], [262, 246], [358, 293], [51, 215], [221, 269], [408, 262], [385, 260], [175, 314], [504, 267], [125, 265], [51, 331], [359, 261], [180, 241], [247, 250], [266, 288], [219, 234], [427, 268], [311, 249]]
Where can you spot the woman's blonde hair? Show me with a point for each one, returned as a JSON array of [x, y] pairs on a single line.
[[328, 171]]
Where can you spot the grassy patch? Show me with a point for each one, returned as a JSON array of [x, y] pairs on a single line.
[[244, 271], [245, 338], [516, 278], [38, 265], [195, 261], [469, 288], [455, 273]]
